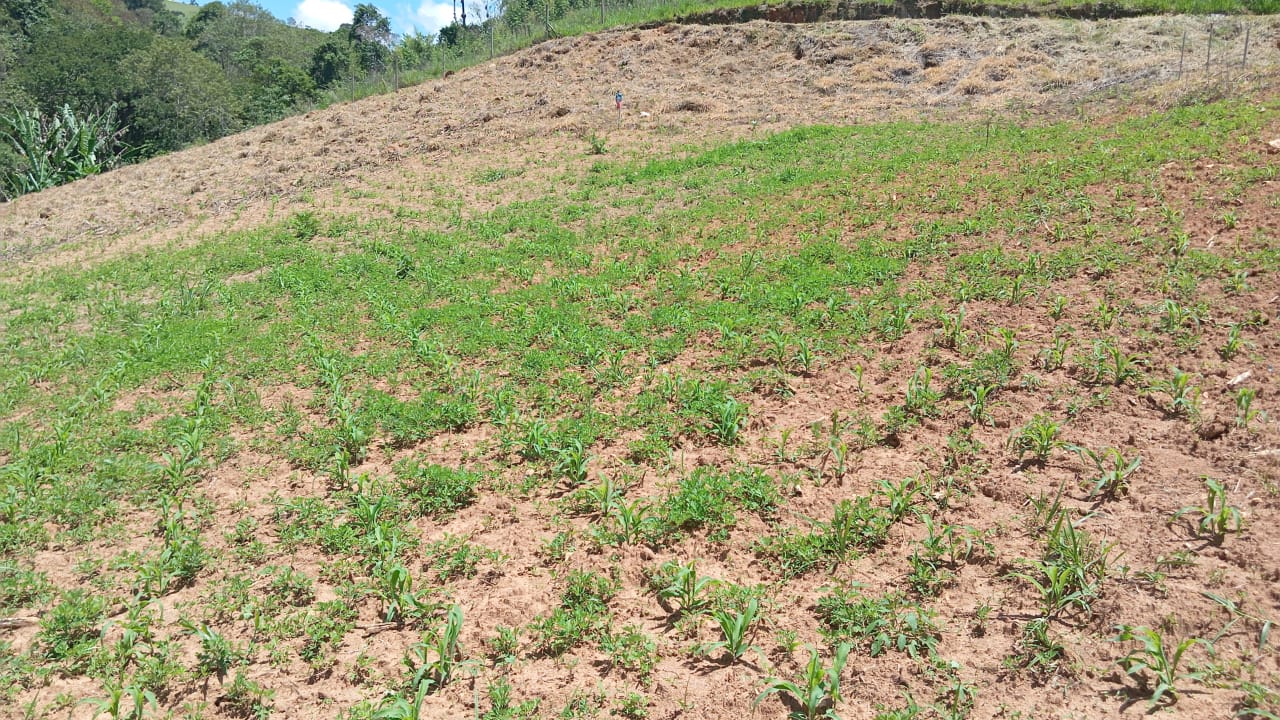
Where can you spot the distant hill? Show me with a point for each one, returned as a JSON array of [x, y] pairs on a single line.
[[187, 10]]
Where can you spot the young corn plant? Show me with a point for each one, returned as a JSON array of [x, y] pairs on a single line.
[[1006, 344], [734, 627], [1245, 414], [1054, 356], [123, 702], [1039, 438], [818, 690], [1158, 657], [634, 521], [922, 399], [1217, 516], [979, 397], [686, 587], [538, 442], [1058, 587], [952, 334], [572, 460], [729, 419], [1057, 307], [1184, 398], [1112, 364], [602, 497], [1234, 342], [1113, 471], [434, 660]]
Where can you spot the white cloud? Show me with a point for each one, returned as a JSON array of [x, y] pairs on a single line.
[[324, 15], [431, 16]]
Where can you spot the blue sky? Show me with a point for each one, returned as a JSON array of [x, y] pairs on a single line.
[[406, 15]]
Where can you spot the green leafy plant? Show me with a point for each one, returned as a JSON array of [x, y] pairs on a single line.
[[1039, 438], [1234, 343], [1158, 656], [631, 651], [686, 587], [1111, 363], [728, 421], [880, 624], [1245, 414], [1113, 470], [921, 398], [1037, 651], [1184, 398], [1054, 356], [433, 661], [61, 147], [572, 460], [733, 627], [244, 698], [123, 702], [818, 689], [1217, 516]]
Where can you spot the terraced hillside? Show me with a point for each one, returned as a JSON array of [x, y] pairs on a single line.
[[889, 369]]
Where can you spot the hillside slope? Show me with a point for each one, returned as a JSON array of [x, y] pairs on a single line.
[[483, 401], [683, 85]]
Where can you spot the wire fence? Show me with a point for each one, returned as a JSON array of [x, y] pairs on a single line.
[[1211, 45]]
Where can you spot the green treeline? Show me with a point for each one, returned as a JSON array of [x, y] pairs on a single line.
[[86, 85], [166, 79]]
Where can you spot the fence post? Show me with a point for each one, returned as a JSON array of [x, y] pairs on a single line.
[[1183, 55], [1208, 50], [1244, 61]]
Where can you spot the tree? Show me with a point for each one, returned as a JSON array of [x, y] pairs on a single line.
[[26, 15], [75, 62], [278, 89], [370, 34], [329, 62], [176, 97], [205, 16]]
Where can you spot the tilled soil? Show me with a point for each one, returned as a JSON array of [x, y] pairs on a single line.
[[682, 84]]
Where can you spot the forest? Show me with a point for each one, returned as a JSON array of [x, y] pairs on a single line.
[[86, 85]]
